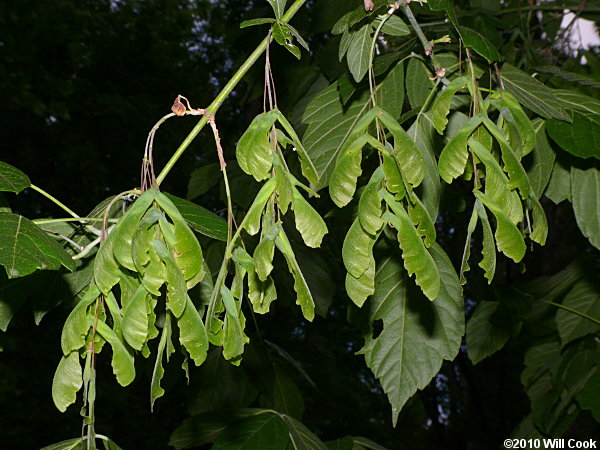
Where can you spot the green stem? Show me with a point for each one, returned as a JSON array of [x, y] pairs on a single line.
[[70, 219], [426, 44], [574, 311], [384, 19], [54, 200], [216, 104]]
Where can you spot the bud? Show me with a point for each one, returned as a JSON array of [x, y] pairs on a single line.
[[178, 108]]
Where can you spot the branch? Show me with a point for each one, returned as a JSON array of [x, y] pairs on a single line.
[[215, 105]]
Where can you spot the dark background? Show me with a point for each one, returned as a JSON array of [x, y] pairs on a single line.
[[81, 84]]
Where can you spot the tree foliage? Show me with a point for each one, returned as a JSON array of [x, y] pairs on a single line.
[[377, 154]]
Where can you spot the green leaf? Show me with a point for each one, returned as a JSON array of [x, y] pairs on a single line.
[[497, 184], [185, 248], [261, 293], [484, 336], [429, 191], [488, 250], [580, 138], [542, 160], [344, 44], [230, 387], [508, 237], [202, 429], [122, 360], [417, 334], [253, 22], [317, 270], [283, 394], [135, 319], [79, 443], [330, 123], [512, 164], [360, 288], [480, 44], [346, 172], [254, 149], [369, 206], [393, 179], [251, 222], [304, 297], [583, 297], [106, 268], [24, 248], [298, 37], [559, 185], [586, 192], [234, 339], [283, 37], [527, 134], [77, 325], [391, 95], [192, 333], [453, 158], [569, 76], [416, 258], [308, 168], [590, 394], [418, 84], [200, 219], [576, 101], [539, 227], [348, 19], [265, 431], [531, 93], [165, 347], [308, 221], [394, 26], [302, 438], [67, 381], [264, 251], [284, 189], [122, 233], [176, 286], [420, 217], [278, 7], [12, 179], [366, 443], [203, 179], [441, 107], [464, 265], [406, 153], [357, 250], [359, 52]]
